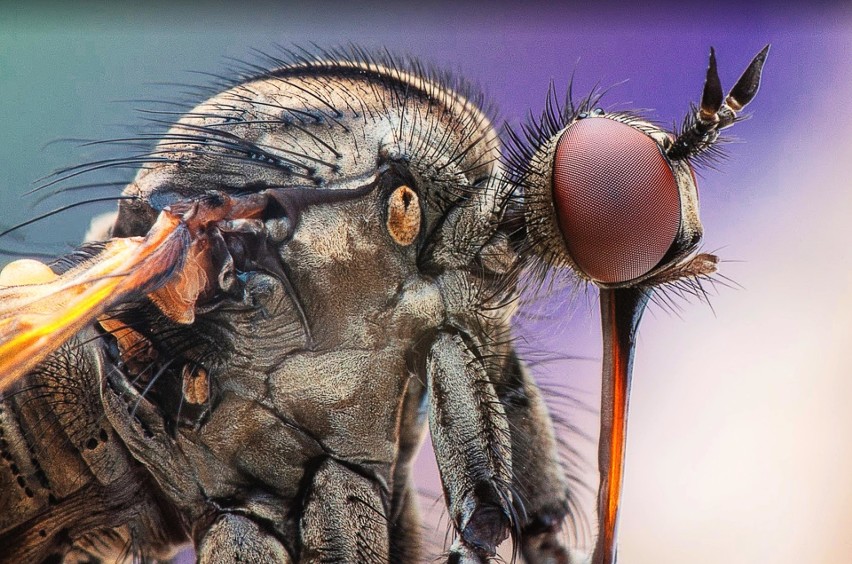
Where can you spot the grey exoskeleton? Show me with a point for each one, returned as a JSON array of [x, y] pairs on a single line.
[[311, 269]]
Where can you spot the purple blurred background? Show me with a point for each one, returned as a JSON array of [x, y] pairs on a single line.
[[740, 441]]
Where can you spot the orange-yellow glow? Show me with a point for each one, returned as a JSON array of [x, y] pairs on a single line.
[[36, 319]]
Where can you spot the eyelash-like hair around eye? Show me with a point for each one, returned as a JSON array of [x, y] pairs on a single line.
[[522, 160], [522, 144]]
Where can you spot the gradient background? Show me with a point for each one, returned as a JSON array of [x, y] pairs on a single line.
[[740, 441]]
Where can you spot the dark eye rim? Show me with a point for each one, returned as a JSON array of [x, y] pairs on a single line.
[[391, 177]]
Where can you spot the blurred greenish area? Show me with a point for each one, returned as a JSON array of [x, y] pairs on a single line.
[[76, 73]]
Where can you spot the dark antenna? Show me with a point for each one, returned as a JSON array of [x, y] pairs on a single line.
[[714, 114]]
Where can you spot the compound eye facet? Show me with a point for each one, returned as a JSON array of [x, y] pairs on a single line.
[[617, 200]]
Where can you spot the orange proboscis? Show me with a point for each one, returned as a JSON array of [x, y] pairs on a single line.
[[621, 311], [619, 377]]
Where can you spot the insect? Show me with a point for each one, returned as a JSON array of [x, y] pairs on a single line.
[[312, 269]]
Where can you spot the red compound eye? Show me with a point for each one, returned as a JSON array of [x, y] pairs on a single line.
[[616, 199]]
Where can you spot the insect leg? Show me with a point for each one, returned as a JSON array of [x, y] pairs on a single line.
[[235, 538], [65, 473], [144, 433], [344, 519], [542, 495], [405, 524], [404, 517], [470, 434]]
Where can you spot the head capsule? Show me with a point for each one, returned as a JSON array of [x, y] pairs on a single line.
[[613, 196], [606, 200], [621, 205]]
